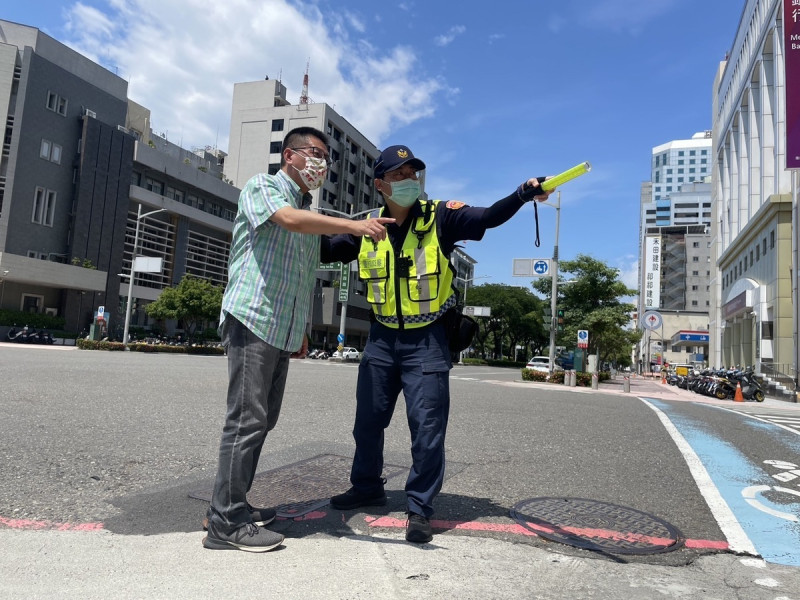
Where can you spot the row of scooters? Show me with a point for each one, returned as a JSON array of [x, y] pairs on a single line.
[[29, 335], [320, 354], [720, 383]]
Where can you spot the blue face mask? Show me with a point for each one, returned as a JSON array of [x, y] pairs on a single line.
[[405, 192]]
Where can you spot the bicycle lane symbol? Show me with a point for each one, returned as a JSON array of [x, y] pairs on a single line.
[[753, 494]]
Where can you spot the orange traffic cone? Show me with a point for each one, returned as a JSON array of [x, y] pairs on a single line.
[[663, 377], [737, 396]]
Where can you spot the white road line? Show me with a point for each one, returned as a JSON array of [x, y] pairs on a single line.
[[746, 414], [730, 526]]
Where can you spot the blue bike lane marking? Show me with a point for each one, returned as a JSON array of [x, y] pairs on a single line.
[[743, 485]]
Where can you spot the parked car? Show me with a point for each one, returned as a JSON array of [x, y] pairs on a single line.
[[541, 364], [347, 353]]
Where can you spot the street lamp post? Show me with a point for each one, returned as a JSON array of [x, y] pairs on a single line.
[[139, 217], [464, 300], [554, 285]]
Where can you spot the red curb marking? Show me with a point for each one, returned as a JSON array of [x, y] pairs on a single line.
[[35, 525], [520, 530]]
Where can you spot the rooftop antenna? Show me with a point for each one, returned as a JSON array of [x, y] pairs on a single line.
[[304, 93]]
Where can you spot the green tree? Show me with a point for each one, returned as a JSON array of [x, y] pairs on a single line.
[[516, 319], [193, 302], [593, 300]]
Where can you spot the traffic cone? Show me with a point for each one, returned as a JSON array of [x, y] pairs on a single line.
[[737, 396], [663, 377]]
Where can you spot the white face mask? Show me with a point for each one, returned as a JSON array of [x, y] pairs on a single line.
[[313, 174]]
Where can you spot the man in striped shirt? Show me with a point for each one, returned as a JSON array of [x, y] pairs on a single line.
[[274, 255]]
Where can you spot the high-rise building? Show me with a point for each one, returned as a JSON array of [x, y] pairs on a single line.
[[674, 251]]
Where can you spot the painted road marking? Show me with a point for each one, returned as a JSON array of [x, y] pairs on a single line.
[[738, 540], [737, 477]]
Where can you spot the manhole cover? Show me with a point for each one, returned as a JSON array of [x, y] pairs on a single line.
[[301, 487], [597, 525]]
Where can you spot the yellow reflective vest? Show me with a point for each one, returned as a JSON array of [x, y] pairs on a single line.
[[415, 288]]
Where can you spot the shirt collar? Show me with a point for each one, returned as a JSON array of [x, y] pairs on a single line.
[[304, 200]]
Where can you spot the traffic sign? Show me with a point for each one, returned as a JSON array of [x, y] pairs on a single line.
[[583, 338], [541, 267], [340, 338], [651, 320]]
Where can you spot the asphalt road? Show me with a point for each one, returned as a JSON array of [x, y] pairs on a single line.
[[117, 441]]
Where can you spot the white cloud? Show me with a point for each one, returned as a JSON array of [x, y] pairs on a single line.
[[629, 271], [447, 38], [182, 57]]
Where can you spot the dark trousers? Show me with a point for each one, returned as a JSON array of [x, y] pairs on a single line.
[[416, 362], [256, 380]]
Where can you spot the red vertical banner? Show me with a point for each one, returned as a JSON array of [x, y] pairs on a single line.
[[791, 44]]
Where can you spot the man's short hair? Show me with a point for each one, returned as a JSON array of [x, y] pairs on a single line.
[[299, 137]]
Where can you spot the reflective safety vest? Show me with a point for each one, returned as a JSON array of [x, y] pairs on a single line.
[[414, 288]]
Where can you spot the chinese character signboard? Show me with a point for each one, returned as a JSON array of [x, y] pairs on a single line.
[[652, 273], [791, 33]]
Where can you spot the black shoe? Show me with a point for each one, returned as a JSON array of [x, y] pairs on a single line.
[[419, 529], [352, 498], [260, 516], [249, 537]]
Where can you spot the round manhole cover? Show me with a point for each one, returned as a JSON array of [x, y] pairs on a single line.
[[597, 525]]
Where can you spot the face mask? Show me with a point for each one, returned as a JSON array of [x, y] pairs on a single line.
[[405, 192], [313, 175]]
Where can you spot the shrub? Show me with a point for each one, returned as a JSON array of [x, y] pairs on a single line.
[[21, 318]]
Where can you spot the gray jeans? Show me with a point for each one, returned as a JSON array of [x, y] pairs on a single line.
[[256, 380]]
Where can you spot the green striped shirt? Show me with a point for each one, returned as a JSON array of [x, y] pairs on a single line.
[[271, 270]]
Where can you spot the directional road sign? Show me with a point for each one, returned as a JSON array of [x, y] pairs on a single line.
[[583, 338], [541, 267]]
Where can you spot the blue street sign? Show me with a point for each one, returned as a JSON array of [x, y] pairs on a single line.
[[340, 338], [583, 334], [541, 267], [694, 337]]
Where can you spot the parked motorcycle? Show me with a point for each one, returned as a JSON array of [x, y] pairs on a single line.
[[751, 389]]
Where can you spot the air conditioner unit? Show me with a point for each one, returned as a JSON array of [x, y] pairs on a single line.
[[89, 113], [122, 129], [53, 312]]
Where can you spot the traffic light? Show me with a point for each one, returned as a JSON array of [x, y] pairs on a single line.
[[560, 319], [548, 313]]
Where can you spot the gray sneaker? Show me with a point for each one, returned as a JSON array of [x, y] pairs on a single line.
[[249, 537]]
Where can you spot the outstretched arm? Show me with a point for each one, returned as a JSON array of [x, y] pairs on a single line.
[[304, 221]]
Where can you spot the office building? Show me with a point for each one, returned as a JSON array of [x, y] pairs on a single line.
[[754, 285], [78, 161]]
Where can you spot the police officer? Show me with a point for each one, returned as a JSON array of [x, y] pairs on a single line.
[[409, 283]]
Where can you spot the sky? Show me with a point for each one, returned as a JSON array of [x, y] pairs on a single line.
[[488, 95]]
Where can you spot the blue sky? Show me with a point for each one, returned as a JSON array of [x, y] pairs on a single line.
[[486, 93]]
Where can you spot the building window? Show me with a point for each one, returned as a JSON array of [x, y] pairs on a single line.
[[274, 168], [751, 258], [772, 239], [275, 147], [154, 186], [694, 288], [692, 152], [695, 259], [694, 302], [696, 273], [277, 125], [695, 244], [56, 103], [758, 252], [44, 205], [50, 151]]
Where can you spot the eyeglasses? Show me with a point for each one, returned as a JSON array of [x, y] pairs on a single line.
[[316, 153]]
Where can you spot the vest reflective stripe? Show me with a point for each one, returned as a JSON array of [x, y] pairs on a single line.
[[426, 292]]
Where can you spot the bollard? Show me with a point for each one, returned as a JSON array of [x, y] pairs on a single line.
[[573, 380], [595, 383], [626, 385], [566, 377]]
